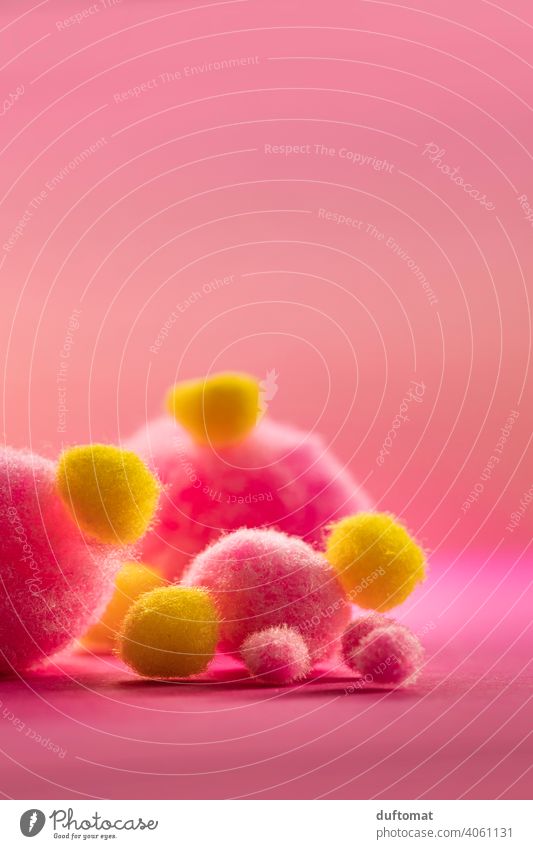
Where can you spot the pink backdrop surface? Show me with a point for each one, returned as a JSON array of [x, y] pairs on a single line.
[[338, 196], [88, 728]]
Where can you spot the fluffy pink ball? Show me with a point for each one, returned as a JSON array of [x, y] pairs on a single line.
[[357, 630], [277, 477], [263, 578], [390, 655], [276, 655], [54, 582]]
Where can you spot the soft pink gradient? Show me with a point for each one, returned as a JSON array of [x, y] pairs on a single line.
[[180, 192]]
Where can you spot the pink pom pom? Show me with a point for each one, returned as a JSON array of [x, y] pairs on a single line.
[[359, 629], [54, 582], [276, 655], [391, 655], [277, 477], [263, 578]]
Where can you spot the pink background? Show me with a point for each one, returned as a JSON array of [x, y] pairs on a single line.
[[181, 191]]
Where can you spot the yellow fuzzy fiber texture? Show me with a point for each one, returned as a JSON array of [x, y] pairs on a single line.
[[219, 410], [132, 581], [377, 561], [109, 491], [170, 632]]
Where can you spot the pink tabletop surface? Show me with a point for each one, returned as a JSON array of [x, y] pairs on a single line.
[[339, 194], [461, 731]]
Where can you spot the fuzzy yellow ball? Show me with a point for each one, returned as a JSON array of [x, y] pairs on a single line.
[[170, 632], [377, 561], [110, 492], [132, 581], [220, 410]]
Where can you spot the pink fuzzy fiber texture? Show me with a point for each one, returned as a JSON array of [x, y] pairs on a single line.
[[357, 630], [263, 578], [277, 477], [390, 655], [53, 582], [276, 655]]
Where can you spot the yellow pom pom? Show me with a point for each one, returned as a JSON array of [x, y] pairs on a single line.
[[376, 560], [220, 410], [110, 492], [171, 632], [132, 581]]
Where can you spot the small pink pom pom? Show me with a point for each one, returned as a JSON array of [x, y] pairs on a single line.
[[357, 630], [276, 655], [390, 655]]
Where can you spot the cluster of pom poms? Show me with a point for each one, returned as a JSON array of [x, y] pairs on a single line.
[[223, 466], [280, 606], [264, 578], [234, 506]]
